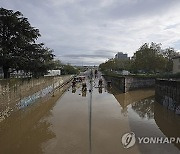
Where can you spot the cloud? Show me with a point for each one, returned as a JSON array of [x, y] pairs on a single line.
[[89, 32], [172, 26], [140, 8], [88, 59], [79, 56]]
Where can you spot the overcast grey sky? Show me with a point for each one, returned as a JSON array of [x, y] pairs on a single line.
[[90, 31]]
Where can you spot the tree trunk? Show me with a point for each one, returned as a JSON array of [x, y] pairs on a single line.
[[6, 72]]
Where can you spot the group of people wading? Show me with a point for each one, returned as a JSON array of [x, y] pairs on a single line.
[[84, 85]]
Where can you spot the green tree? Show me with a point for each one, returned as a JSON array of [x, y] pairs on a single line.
[[148, 58], [169, 53], [122, 64], [18, 49], [115, 65], [108, 65], [15, 33], [68, 69], [56, 64], [39, 60]]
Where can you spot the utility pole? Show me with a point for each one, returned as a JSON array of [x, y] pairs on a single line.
[[90, 111]]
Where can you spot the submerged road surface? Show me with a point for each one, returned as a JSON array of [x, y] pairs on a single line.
[[87, 122]]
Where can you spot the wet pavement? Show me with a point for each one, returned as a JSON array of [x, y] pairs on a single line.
[[89, 122]]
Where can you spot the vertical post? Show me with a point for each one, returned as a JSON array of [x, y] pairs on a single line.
[[53, 86], [90, 111], [90, 115], [124, 85], [20, 94]]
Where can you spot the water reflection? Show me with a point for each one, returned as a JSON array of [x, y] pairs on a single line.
[[100, 90], [144, 108], [84, 92], [26, 130], [151, 118], [130, 97], [167, 121], [73, 89], [110, 90]]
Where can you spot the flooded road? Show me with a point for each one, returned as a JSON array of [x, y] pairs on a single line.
[[89, 122]]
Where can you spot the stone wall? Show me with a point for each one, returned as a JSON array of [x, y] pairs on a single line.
[[16, 94], [118, 82], [167, 93], [132, 83], [129, 83]]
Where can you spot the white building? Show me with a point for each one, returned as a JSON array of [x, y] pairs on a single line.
[[53, 73]]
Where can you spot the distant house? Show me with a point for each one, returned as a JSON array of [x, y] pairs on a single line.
[[121, 55], [176, 64]]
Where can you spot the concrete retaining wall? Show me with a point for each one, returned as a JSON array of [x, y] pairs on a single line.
[[132, 83], [16, 94], [118, 82], [167, 93], [129, 83]]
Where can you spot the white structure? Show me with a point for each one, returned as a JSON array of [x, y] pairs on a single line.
[[176, 64], [53, 73]]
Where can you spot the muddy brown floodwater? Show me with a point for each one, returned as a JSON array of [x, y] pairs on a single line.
[[89, 122]]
